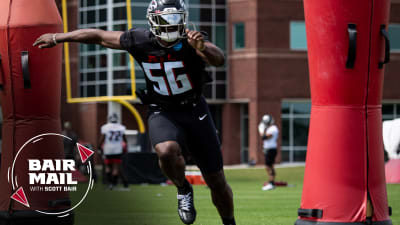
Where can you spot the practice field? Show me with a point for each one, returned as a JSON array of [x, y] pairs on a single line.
[[157, 205]]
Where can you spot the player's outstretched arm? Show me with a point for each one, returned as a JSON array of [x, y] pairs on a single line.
[[108, 39], [210, 53]]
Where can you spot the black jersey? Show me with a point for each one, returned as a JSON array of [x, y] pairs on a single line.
[[173, 75]]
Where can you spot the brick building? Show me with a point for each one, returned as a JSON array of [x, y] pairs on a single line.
[[266, 71]]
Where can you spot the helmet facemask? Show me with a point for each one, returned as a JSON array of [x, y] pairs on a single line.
[[113, 118], [168, 25]]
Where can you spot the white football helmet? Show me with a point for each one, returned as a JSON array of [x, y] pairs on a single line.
[[267, 119]]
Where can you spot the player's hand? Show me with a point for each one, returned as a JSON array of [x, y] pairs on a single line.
[[195, 39], [45, 41]]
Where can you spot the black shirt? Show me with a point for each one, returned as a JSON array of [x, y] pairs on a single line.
[[174, 74]]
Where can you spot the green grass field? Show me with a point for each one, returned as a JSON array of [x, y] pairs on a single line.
[[156, 205]]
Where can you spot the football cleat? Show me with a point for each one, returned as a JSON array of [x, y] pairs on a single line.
[[268, 187], [186, 209]]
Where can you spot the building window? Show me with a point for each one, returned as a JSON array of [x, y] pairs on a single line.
[[210, 16], [298, 39], [238, 36], [98, 63], [390, 111], [394, 37], [220, 38], [207, 15], [295, 122]]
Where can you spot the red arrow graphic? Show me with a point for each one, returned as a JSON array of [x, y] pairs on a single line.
[[84, 152], [20, 197]]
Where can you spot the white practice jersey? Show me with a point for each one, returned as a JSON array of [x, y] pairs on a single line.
[[271, 130], [113, 139]]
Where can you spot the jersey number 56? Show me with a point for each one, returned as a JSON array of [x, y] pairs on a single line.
[[168, 85]]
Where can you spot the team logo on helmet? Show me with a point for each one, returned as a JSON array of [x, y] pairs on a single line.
[[152, 5]]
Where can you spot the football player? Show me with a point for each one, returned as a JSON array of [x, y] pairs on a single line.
[[173, 59], [113, 144], [269, 133]]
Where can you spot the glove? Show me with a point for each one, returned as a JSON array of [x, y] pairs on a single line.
[[264, 137]]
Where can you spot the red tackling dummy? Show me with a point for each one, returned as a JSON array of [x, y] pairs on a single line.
[[344, 165], [30, 100]]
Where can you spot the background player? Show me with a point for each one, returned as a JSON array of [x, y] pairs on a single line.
[[69, 146], [173, 59], [113, 145], [269, 133]]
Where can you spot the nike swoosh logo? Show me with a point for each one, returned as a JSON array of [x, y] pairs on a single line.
[[202, 117]]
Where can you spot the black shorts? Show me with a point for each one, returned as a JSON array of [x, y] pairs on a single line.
[[193, 129], [115, 158], [270, 156]]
